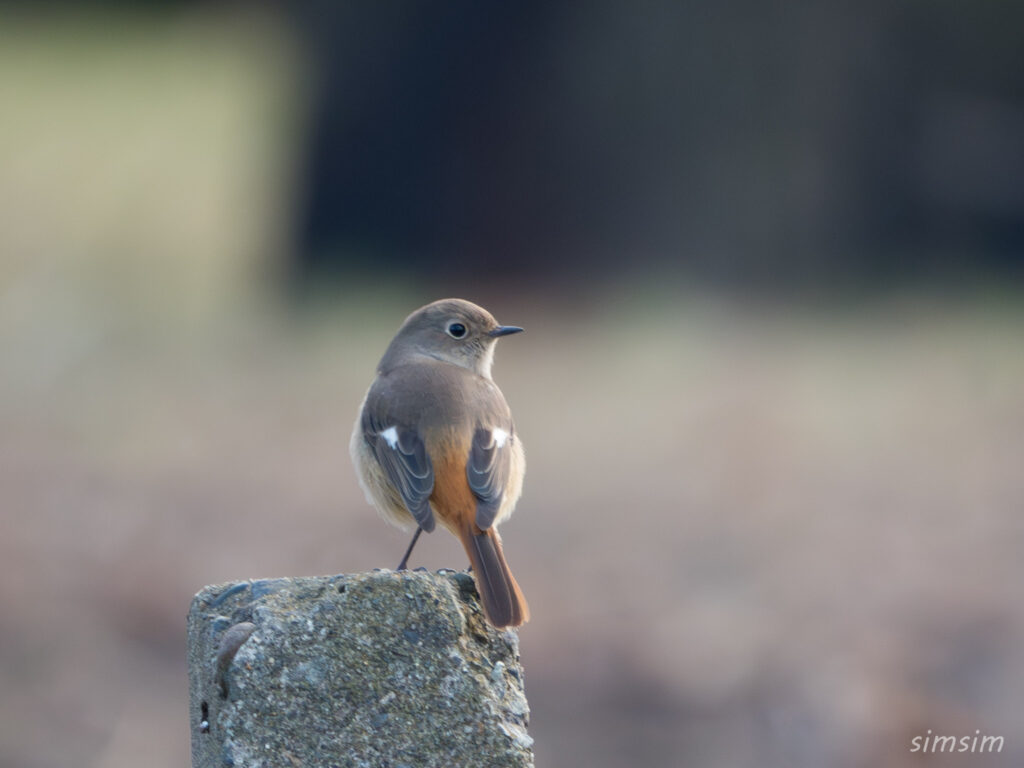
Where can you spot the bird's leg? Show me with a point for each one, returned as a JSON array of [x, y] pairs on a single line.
[[405, 557]]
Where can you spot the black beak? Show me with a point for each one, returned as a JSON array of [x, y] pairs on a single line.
[[504, 330]]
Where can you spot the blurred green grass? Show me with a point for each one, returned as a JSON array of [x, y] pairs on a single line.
[[147, 157]]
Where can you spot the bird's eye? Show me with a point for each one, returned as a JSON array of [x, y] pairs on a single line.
[[456, 330]]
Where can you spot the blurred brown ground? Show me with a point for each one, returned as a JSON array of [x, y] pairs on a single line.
[[751, 534]]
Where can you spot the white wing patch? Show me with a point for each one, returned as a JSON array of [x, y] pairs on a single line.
[[500, 436], [391, 435]]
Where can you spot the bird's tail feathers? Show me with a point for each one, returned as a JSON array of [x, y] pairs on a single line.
[[503, 601]]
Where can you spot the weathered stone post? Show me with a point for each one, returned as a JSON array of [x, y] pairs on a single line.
[[372, 669]]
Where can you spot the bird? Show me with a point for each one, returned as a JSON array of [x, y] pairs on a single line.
[[434, 442]]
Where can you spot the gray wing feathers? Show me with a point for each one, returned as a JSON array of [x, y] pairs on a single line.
[[407, 465], [487, 471]]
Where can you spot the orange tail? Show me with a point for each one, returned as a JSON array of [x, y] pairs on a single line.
[[503, 601]]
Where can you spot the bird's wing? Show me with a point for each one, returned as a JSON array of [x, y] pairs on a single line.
[[402, 454], [488, 467]]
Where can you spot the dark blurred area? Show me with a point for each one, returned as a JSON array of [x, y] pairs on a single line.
[[769, 260], [758, 144]]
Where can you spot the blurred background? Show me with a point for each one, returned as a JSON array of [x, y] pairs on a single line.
[[769, 258]]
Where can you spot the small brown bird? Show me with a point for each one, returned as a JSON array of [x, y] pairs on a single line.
[[435, 442]]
